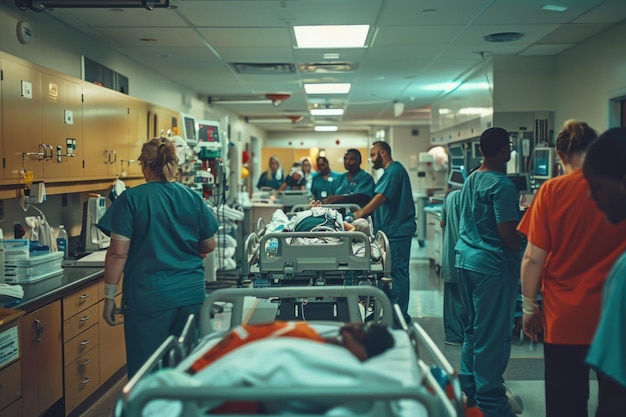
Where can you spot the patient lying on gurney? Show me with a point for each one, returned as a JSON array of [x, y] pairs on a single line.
[[317, 218]]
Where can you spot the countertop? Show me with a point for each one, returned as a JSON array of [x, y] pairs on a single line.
[[38, 294]]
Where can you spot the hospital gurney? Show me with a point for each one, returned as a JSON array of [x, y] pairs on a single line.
[[315, 258], [411, 391]]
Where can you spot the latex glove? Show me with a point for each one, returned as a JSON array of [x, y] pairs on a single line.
[[109, 312], [532, 325]]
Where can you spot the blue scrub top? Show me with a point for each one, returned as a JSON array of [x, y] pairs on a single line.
[[165, 222], [361, 183], [487, 198], [322, 188], [609, 343], [274, 182], [450, 214], [396, 217]]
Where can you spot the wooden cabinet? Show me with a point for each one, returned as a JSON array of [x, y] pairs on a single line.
[[10, 364], [62, 126], [81, 350], [112, 346], [10, 385], [137, 135], [22, 122], [161, 121], [42, 359]]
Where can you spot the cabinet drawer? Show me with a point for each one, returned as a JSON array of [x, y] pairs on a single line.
[[82, 343], [82, 378], [14, 410], [80, 300], [10, 384], [80, 322]]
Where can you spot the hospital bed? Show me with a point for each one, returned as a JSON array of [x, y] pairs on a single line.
[[396, 383]]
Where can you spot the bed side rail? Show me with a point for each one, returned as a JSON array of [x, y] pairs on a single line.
[[194, 397], [349, 207], [335, 256], [236, 296]]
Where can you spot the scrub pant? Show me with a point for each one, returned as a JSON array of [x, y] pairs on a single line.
[[567, 380], [454, 315], [490, 304], [611, 397], [144, 333], [400, 282]]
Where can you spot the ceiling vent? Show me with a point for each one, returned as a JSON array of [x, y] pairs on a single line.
[[503, 37], [328, 67], [261, 69]]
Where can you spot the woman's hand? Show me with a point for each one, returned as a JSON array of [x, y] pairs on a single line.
[[108, 314], [532, 324]]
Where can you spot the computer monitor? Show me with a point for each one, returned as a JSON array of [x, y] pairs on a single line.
[[456, 178], [208, 131], [543, 163], [522, 182], [189, 130]]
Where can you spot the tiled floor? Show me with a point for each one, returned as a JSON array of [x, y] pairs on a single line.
[[524, 374]]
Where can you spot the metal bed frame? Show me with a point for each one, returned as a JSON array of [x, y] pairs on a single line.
[[174, 350]]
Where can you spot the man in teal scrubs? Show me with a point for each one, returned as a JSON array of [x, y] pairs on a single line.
[[488, 258], [354, 186], [394, 213]]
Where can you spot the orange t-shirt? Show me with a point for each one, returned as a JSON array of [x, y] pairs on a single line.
[[582, 246], [247, 333]]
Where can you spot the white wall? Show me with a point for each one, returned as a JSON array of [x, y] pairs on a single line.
[[588, 75], [405, 146]]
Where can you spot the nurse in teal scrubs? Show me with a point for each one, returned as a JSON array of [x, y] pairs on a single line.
[[353, 186], [322, 184], [159, 232], [394, 213]]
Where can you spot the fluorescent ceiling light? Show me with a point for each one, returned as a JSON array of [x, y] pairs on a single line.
[[327, 88], [476, 111], [474, 86], [331, 36], [554, 8], [326, 112], [441, 86], [326, 128]]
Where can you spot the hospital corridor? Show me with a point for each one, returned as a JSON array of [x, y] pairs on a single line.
[[524, 374]]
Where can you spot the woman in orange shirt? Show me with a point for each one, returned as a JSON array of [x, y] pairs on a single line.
[[571, 248]]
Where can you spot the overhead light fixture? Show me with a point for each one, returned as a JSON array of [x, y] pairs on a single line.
[[398, 109], [326, 128], [271, 98], [327, 88], [554, 8], [326, 112], [292, 119], [447, 87], [40, 5], [331, 36]]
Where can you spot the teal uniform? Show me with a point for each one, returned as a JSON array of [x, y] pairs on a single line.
[[608, 348], [275, 180], [164, 271], [454, 314], [361, 183], [489, 276], [396, 218], [322, 188]]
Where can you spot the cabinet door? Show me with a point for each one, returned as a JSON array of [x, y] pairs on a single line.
[[96, 153], [42, 358], [117, 132], [21, 105], [162, 121], [137, 135], [62, 126], [112, 345]]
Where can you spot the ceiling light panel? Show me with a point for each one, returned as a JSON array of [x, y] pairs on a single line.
[[327, 88], [326, 112], [326, 128], [331, 36]]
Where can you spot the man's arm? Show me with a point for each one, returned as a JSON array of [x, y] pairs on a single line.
[[208, 245], [377, 201], [509, 235]]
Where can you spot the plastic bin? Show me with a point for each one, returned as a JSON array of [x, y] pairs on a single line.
[[32, 269]]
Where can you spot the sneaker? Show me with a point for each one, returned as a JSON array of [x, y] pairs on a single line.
[[515, 401], [453, 343]]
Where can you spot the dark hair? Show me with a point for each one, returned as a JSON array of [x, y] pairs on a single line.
[[355, 152], [384, 146], [575, 137], [323, 158], [159, 154], [377, 340], [493, 140], [606, 155]]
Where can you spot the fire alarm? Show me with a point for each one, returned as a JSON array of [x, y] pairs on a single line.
[[337, 141], [24, 32]]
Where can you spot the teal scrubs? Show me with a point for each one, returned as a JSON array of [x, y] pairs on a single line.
[[454, 314], [361, 183], [274, 181], [489, 276], [396, 218], [608, 348], [164, 271], [322, 188]]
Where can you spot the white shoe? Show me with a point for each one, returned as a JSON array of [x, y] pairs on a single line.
[[515, 401]]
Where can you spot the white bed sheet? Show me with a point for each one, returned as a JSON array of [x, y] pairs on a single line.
[[299, 363]]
